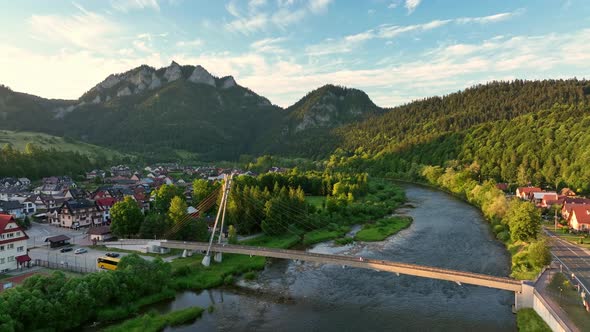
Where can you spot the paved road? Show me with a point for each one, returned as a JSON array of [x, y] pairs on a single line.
[[575, 258]]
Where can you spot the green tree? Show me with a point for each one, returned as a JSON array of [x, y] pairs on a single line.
[[539, 253], [126, 217], [523, 219], [155, 225], [164, 195], [177, 212], [201, 190], [232, 237]]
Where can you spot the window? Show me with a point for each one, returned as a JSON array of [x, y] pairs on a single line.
[[17, 234], [1, 236], [2, 260], [10, 246], [10, 235], [20, 249], [11, 258], [1, 248]]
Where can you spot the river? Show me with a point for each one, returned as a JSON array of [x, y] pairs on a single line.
[[297, 296]]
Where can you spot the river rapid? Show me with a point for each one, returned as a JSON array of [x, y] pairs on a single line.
[[297, 296]]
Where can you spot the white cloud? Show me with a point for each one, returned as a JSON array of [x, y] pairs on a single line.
[[387, 31], [318, 6], [256, 19], [394, 4], [127, 5], [268, 45], [411, 5], [85, 29], [190, 43]]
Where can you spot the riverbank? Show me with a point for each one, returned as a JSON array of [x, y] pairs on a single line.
[[527, 261]]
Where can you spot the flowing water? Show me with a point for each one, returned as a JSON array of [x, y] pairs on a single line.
[[296, 296]]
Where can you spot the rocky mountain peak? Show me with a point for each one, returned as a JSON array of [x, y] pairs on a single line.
[[202, 76]]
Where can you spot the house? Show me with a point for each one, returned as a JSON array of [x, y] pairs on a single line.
[[101, 233], [80, 213], [580, 217], [95, 174], [523, 192], [13, 244], [24, 182], [136, 177], [74, 193], [537, 196], [13, 208], [551, 199], [567, 192], [51, 189], [569, 203], [105, 204]]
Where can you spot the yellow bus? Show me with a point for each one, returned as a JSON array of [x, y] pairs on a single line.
[[107, 263]]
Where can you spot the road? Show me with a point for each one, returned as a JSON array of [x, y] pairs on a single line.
[[575, 258]]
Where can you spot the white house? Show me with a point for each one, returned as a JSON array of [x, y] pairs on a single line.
[[13, 244]]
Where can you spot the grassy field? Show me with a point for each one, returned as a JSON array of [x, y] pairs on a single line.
[[282, 241], [316, 201], [569, 300], [20, 139], [154, 322], [382, 229], [528, 320]]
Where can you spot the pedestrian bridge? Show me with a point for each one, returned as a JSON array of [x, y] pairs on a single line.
[[459, 277]]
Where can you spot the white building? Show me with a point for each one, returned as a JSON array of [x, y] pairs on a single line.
[[13, 244]]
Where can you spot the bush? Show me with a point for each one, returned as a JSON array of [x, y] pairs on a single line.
[[181, 271], [250, 275], [344, 241], [503, 236], [539, 254], [228, 280], [498, 229]]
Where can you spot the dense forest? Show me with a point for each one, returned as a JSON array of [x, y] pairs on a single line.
[[35, 163]]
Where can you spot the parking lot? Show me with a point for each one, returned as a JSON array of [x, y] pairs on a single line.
[[86, 260], [39, 232]]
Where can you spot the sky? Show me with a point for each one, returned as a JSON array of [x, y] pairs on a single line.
[[395, 50]]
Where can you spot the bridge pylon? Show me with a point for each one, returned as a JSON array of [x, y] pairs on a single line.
[[220, 214]]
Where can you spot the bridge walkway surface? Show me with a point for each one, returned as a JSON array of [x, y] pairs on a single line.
[[460, 277]]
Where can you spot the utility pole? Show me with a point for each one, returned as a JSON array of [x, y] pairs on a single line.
[[207, 259]]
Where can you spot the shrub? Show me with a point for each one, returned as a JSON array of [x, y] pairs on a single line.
[[181, 271], [228, 280], [250, 275], [498, 229], [503, 236]]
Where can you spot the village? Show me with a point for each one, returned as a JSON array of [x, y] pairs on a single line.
[[566, 208], [58, 211]]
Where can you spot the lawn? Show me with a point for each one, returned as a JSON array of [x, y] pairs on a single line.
[[527, 320], [321, 235], [317, 201], [189, 273], [154, 322], [573, 238], [569, 300], [383, 228], [279, 241]]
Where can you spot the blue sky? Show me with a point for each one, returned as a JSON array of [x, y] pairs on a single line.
[[395, 50]]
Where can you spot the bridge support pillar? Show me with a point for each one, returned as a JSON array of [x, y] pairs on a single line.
[[218, 257], [187, 253], [525, 298], [206, 260]]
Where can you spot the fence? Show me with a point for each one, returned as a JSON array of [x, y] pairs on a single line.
[[65, 266], [582, 289]]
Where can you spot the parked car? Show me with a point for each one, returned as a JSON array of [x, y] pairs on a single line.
[[112, 254], [80, 251], [66, 249]]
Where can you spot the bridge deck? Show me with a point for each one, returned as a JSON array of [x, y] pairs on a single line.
[[381, 265]]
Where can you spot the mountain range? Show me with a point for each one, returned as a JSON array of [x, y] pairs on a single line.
[[171, 112]]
